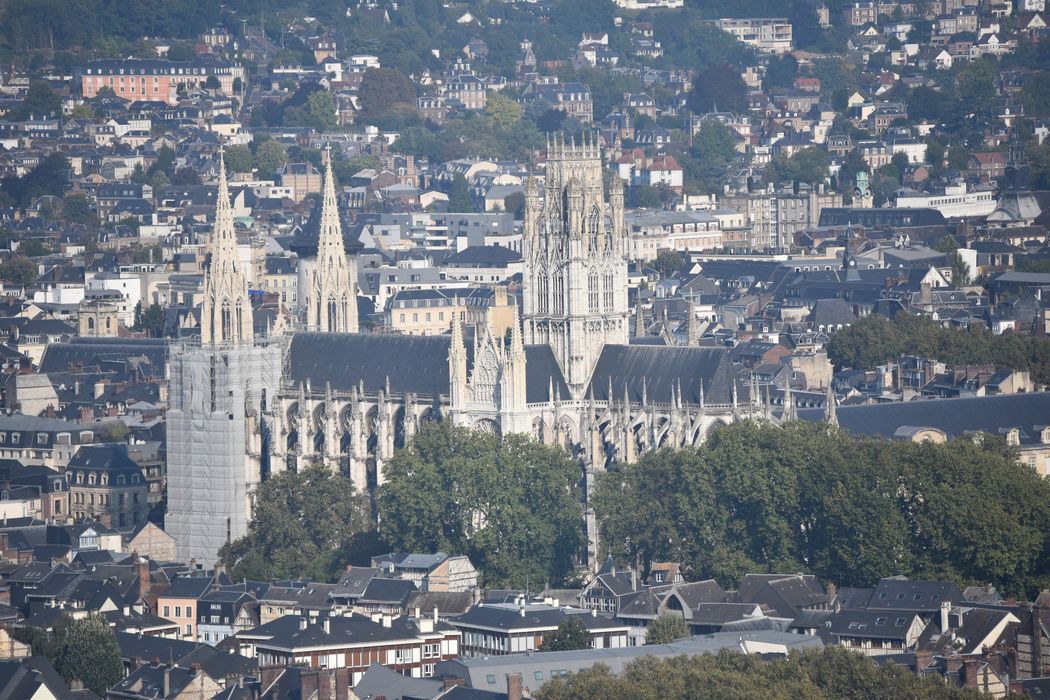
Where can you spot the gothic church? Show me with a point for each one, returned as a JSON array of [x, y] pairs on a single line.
[[315, 390]]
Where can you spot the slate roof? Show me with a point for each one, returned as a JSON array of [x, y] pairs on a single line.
[[661, 370], [541, 372], [898, 594], [991, 414], [871, 625], [382, 682], [97, 352], [414, 364]]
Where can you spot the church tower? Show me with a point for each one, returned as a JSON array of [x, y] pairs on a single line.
[[221, 398], [226, 314], [575, 244], [331, 305]]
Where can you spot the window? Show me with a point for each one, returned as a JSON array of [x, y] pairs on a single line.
[[538, 675], [178, 611], [167, 611], [490, 679], [189, 611]]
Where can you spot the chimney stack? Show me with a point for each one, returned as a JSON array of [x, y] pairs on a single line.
[[514, 686], [945, 609], [167, 682]]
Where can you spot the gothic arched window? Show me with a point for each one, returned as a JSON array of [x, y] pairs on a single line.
[[542, 292], [608, 291], [592, 291], [594, 225], [227, 321]]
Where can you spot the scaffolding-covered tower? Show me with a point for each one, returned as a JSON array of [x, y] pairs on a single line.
[[219, 394]]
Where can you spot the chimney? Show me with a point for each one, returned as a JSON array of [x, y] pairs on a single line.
[[922, 660], [303, 622], [513, 686], [327, 624], [436, 616], [970, 672], [387, 620], [167, 682], [100, 388], [945, 609], [415, 612], [832, 593], [142, 570]]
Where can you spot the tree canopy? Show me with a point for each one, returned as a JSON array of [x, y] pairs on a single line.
[[756, 497], [89, 653], [511, 505], [666, 629], [829, 673], [306, 524], [875, 339], [570, 636]]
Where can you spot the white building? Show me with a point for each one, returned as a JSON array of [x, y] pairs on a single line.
[[955, 201]]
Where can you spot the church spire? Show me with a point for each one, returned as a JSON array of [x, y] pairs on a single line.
[[830, 412], [226, 314], [332, 299]]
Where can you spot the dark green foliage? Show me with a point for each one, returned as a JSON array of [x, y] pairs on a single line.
[[90, 654], [718, 87], [807, 165], [805, 497], [383, 90], [511, 505], [309, 523], [875, 339], [40, 101], [48, 177], [76, 209], [150, 319], [19, 270], [827, 674], [666, 629], [459, 199], [712, 153], [570, 636], [669, 262]]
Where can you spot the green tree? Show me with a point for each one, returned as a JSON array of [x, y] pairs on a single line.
[[718, 87], [238, 159], [668, 262], [511, 505], [90, 654], [40, 101], [666, 629], [571, 635], [645, 197], [19, 270], [382, 89], [505, 112], [712, 153], [150, 319], [76, 209], [1036, 94], [975, 86], [306, 524], [320, 110], [459, 199], [270, 157]]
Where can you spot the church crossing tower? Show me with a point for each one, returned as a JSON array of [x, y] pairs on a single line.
[[575, 296]]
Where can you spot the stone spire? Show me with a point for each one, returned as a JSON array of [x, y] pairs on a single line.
[[457, 366], [789, 412], [639, 318], [692, 327], [226, 313], [830, 412], [332, 300]]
